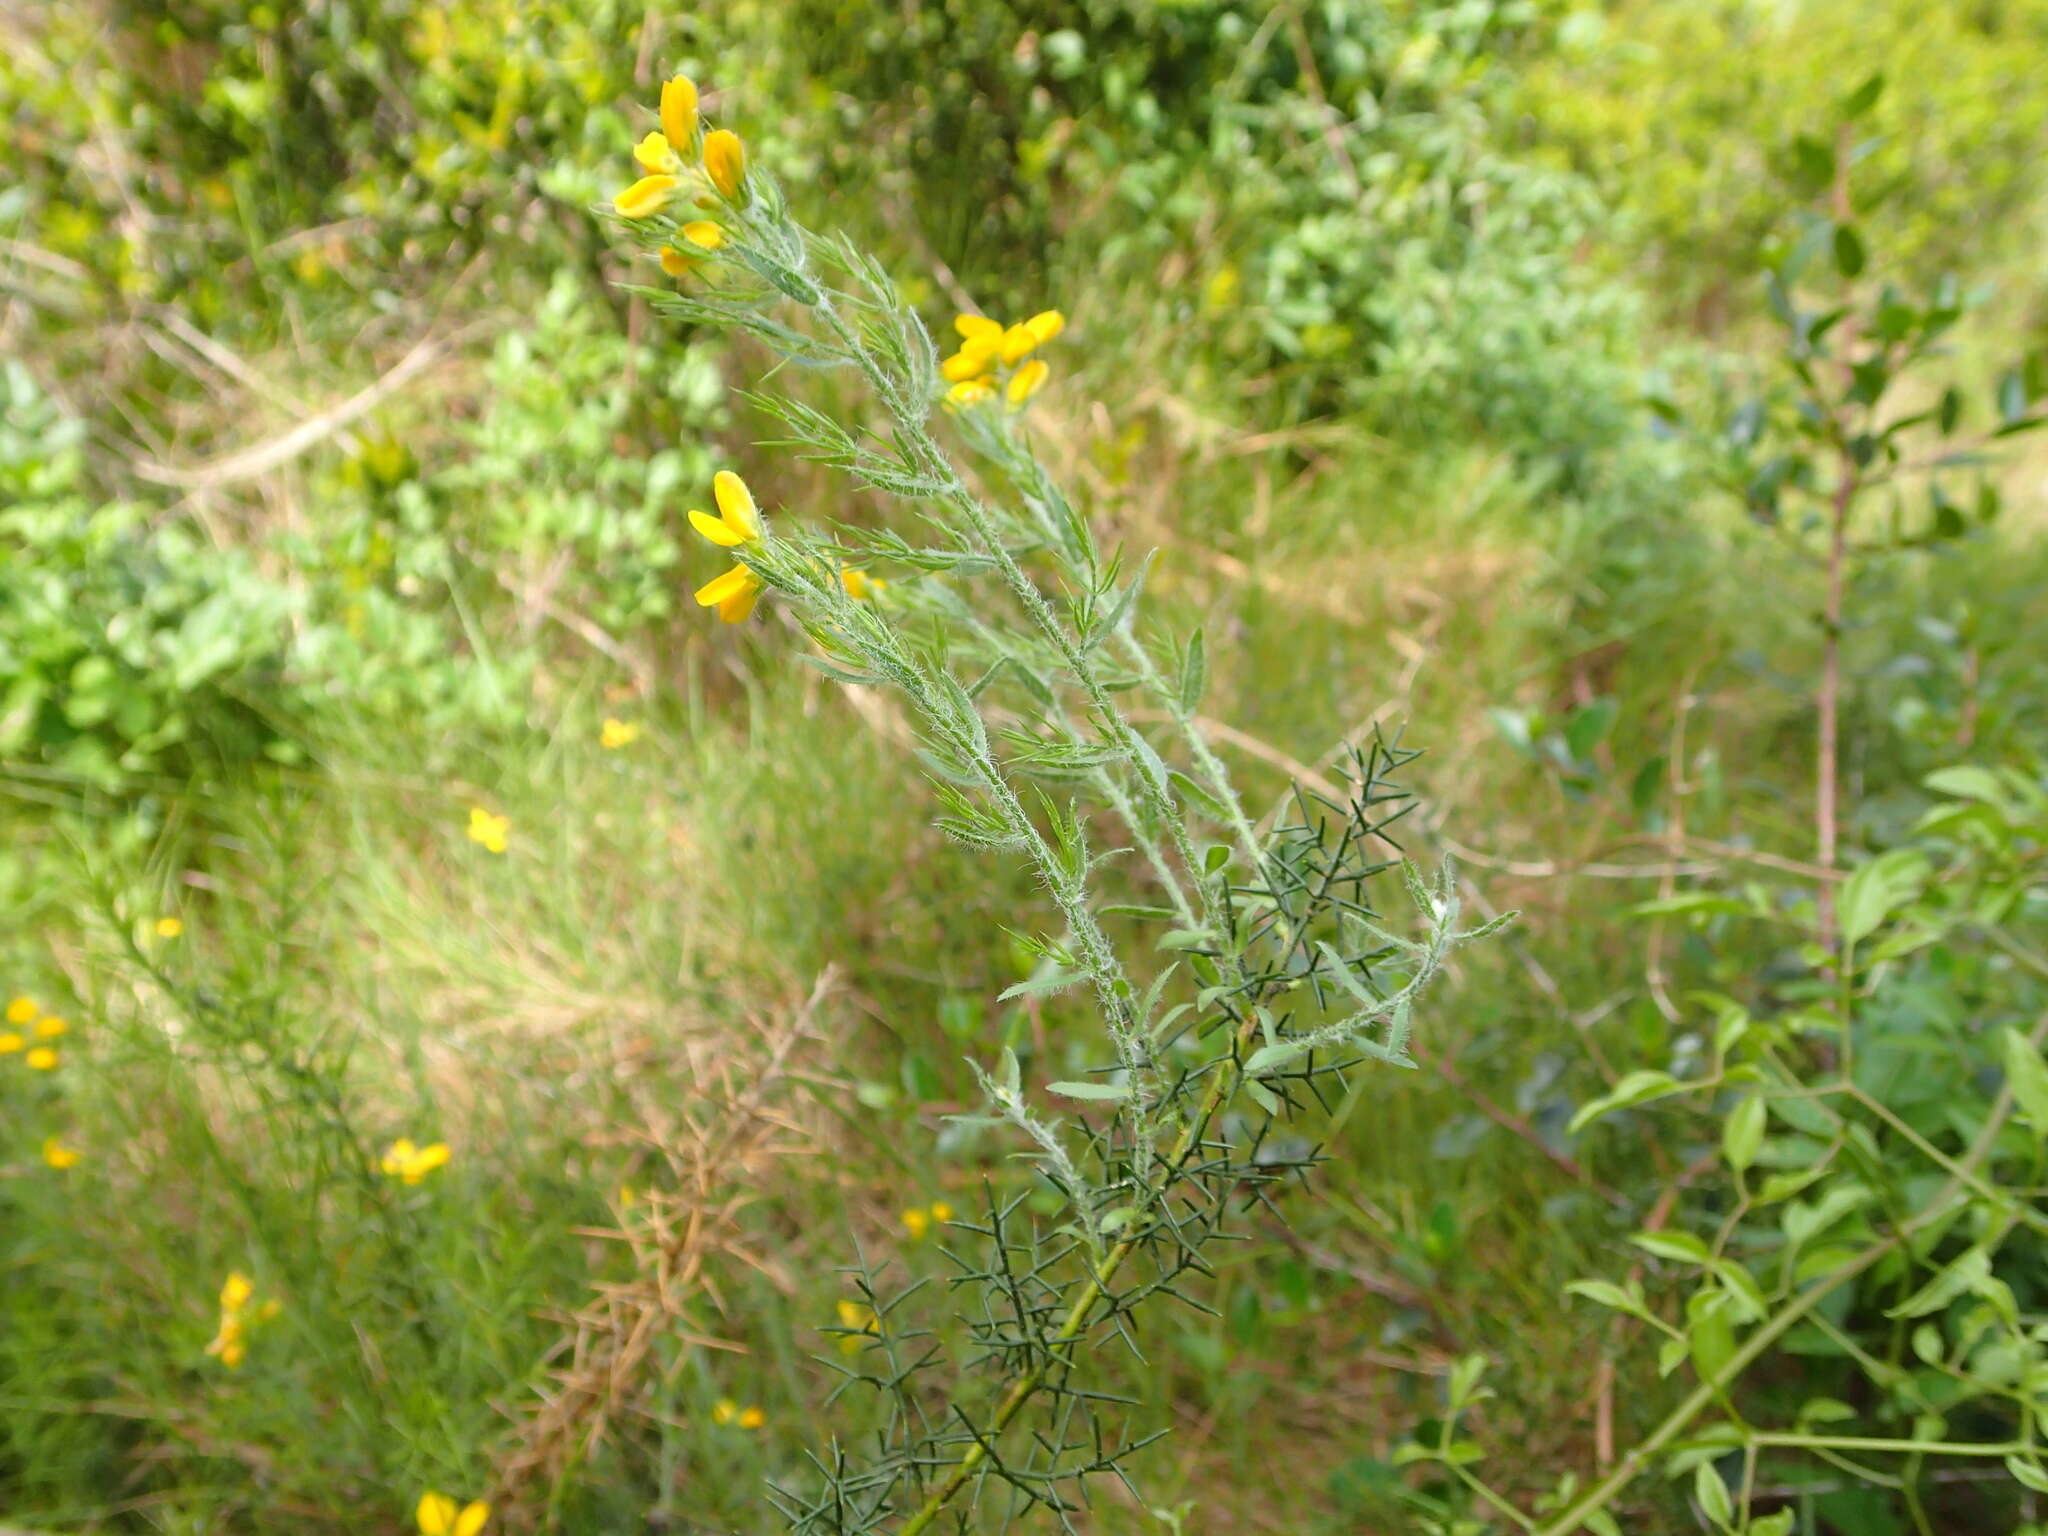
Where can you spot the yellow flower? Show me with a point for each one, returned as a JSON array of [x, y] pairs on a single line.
[[725, 162], [941, 1211], [738, 525], [235, 1291], [1017, 343], [229, 1344], [679, 113], [22, 1011], [618, 733], [978, 328], [650, 194], [438, 1516], [673, 261], [917, 1222], [978, 351], [491, 831], [405, 1161], [861, 1318], [862, 587], [968, 392], [11, 1040], [42, 1058], [169, 927], [51, 1028], [704, 233], [57, 1155], [1026, 382], [655, 156], [1045, 325], [726, 1411]]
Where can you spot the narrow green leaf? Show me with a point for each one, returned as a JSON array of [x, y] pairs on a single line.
[[1058, 981], [1194, 674], [1106, 1092], [1744, 1132], [2028, 1078]]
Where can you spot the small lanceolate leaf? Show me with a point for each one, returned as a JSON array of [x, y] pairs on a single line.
[[1058, 981], [1850, 257], [2028, 1079], [1635, 1088], [1680, 1246], [1194, 674], [1607, 1294], [1107, 1092], [1743, 1134], [2027, 1473], [1712, 1494], [1878, 889], [1966, 1274]]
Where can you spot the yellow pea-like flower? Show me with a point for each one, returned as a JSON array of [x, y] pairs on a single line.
[[648, 195], [941, 1211], [1045, 325], [169, 927], [492, 832], [655, 156], [42, 1059], [738, 524], [752, 1418], [972, 361], [978, 328], [725, 162], [917, 1222], [679, 113], [1017, 343], [437, 1515], [968, 392], [12, 1040], [22, 1010], [862, 587], [51, 1028], [614, 734], [724, 1411], [673, 261], [733, 594], [411, 1164], [57, 1155], [235, 1291], [704, 234], [1026, 382]]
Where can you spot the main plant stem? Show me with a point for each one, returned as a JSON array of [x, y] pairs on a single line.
[[1830, 705]]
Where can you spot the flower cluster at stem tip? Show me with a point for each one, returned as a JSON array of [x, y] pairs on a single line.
[[679, 159], [920, 1219], [737, 526], [726, 1411], [231, 1344], [988, 348], [410, 1164], [26, 1023]]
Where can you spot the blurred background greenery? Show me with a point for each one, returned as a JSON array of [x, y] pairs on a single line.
[[340, 490]]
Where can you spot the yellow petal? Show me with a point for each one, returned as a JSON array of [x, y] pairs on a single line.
[[679, 112], [752, 1418], [964, 365], [673, 261], [56, 1154], [650, 194], [236, 1291], [50, 1028], [22, 1011], [1026, 381], [655, 157], [42, 1059], [11, 1041], [725, 162], [941, 1211], [169, 927], [1017, 343], [977, 327], [436, 1514], [968, 392], [430, 1158], [702, 232], [715, 529], [736, 502], [737, 608], [233, 1353], [724, 1411], [1045, 325], [729, 584], [472, 1518]]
